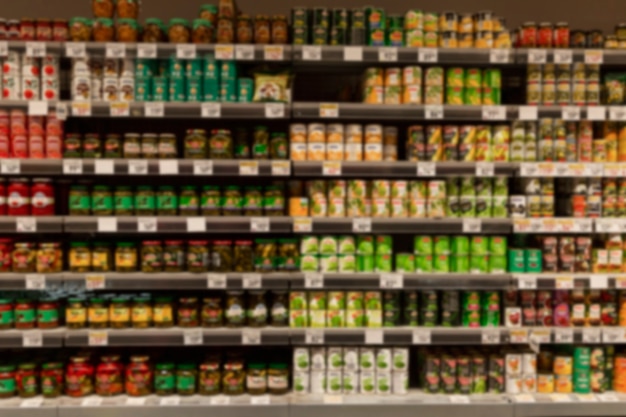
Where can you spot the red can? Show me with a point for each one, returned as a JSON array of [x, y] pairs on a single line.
[[3, 30], [27, 30], [59, 30], [6, 250], [43, 30], [36, 147], [36, 125], [18, 197], [42, 197], [544, 35], [528, 35], [561, 35], [19, 146], [5, 147], [18, 122], [3, 198]]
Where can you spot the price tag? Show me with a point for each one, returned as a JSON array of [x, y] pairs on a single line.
[[560, 398], [31, 402], [274, 110], [10, 166], [260, 224], [422, 337], [518, 335], [37, 108], [32, 338], [433, 112], [104, 167], [98, 338], [170, 401], [499, 56], [329, 110], [599, 282], [249, 168], [617, 113], [537, 56], [391, 281], [387, 54], [136, 401], [251, 337], [244, 52], [590, 398], [116, 50], [472, 225], [362, 225], [333, 399], [260, 400], [281, 168], [620, 283], [274, 52], [224, 52], [73, 166], [485, 169], [188, 51], [331, 168], [524, 398], [313, 280], [494, 113], [612, 170], [154, 109], [4, 48], [61, 110], [211, 110], [563, 336], [591, 335], [35, 282], [91, 402], [196, 224], [594, 56], [594, 170], [193, 337], [563, 56], [168, 167], [311, 53], [81, 108], [528, 113], [314, 337], [119, 108], [302, 225], [490, 337], [529, 169], [202, 167], [570, 113], [216, 281], [147, 224], [95, 282], [426, 169], [564, 283], [374, 336], [612, 335], [36, 49], [608, 226], [353, 53], [26, 225], [526, 282], [146, 50], [428, 55], [138, 167], [608, 397], [220, 400], [459, 399], [252, 281]]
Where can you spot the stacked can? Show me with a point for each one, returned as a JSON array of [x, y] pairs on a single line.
[[376, 25], [359, 198], [355, 305], [12, 76], [414, 28], [30, 81], [50, 77], [393, 86], [595, 198], [412, 85], [521, 373], [381, 195], [337, 198], [333, 142], [373, 86], [563, 84], [427, 199], [434, 81], [365, 250], [86, 82], [318, 201], [582, 368], [480, 197], [34, 137], [373, 149]]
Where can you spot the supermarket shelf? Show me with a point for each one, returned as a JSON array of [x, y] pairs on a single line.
[[31, 407], [18, 282], [609, 56], [32, 338], [31, 225], [401, 226], [570, 405], [549, 281]]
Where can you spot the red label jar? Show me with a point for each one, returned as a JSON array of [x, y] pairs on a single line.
[[79, 377], [43, 30], [109, 377], [18, 197], [59, 30], [27, 30], [3, 198], [42, 197]]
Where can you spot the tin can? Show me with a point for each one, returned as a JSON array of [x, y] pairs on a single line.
[[177, 89]]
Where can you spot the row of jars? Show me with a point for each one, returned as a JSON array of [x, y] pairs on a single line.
[[110, 377], [103, 200], [232, 309]]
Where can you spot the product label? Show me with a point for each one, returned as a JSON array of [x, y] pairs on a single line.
[[75, 315], [102, 203], [120, 315], [6, 317], [167, 202], [29, 385], [144, 202], [256, 382], [124, 203], [185, 383], [188, 202], [25, 316], [48, 316], [49, 385], [164, 382], [7, 385], [210, 201], [80, 202], [163, 315], [277, 382], [98, 315], [141, 314]]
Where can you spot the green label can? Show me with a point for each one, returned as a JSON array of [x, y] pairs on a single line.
[[176, 67], [145, 68], [228, 70], [533, 260], [441, 245], [460, 264], [194, 67], [365, 263], [228, 91], [365, 245], [7, 317], [384, 245], [194, 88], [517, 260], [145, 201], [245, 90], [479, 245], [160, 89], [423, 245], [424, 263], [405, 262], [497, 264], [177, 89], [479, 264], [441, 263], [211, 67], [167, 201], [460, 245], [383, 263], [211, 89], [143, 89]]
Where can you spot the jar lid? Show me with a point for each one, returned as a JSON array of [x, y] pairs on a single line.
[[189, 300], [78, 188], [102, 187], [110, 358], [257, 365], [198, 242], [164, 366], [105, 21], [78, 244], [279, 135], [179, 21], [278, 366], [233, 188], [25, 300], [201, 22], [139, 358], [52, 365], [189, 188], [130, 22], [151, 243], [123, 188], [125, 245], [163, 300], [253, 188], [261, 127], [144, 188], [45, 180], [154, 21], [27, 365], [167, 135], [273, 188], [243, 242], [173, 242], [210, 366], [101, 244], [288, 241], [74, 300], [166, 188], [97, 301], [196, 131], [81, 20], [265, 241], [79, 359], [142, 299], [211, 187], [7, 368], [186, 366], [209, 8], [119, 300], [222, 242]]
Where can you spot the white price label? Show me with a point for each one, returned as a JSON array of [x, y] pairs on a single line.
[[61, 110], [252, 281], [224, 52], [333, 399], [187, 51], [73, 166], [387, 54], [529, 169], [391, 281], [35, 282], [374, 336], [590, 398], [211, 110], [138, 167], [302, 225], [220, 400], [119, 108], [31, 402], [537, 56], [617, 113], [260, 224], [168, 166], [281, 168], [154, 109], [570, 113], [75, 50], [594, 56], [311, 53], [244, 52], [274, 110], [608, 397], [528, 112], [433, 112], [362, 225], [26, 225], [260, 400], [147, 224], [422, 337], [499, 56], [36, 49], [91, 402], [563, 56], [518, 335], [81, 108], [196, 224], [459, 399], [472, 225], [314, 336], [136, 401], [116, 50], [353, 53], [274, 52], [37, 108], [251, 337], [598, 282], [216, 281], [4, 48], [428, 55], [490, 337], [524, 398], [526, 282], [426, 169], [494, 113], [193, 337], [563, 336], [170, 401], [313, 280], [564, 283], [329, 110], [146, 50], [95, 282], [591, 335], [32, 338], [608, 226], [202, 167], [331, 168], [613, 335], [10, 166], [485, 169], [98, 338], [104, 167]]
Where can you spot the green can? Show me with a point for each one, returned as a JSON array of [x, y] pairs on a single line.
[[358, 19], [160, 89], [460, 245], [423, 245], [194, 67], [441, 245], [176, 67], [340, 17], [211, 89], [391, 300], [473, 78], [441, 264], [384, 245], [392, 318], [145, 68], [492, 78], [471, 318], [365, 245], [491, 96], [177, 89], [299, 17], [455, 77], [228, 70], [320, 35], [460, 264], [472, 96], [479, 264], [300, 35], [338, 36], [490, 318], [405, 263], [516, 260], [194, 89], [376, 37], [479, 245], [375, 17], [321, 17], [384, 263], [497, 264], [365, 263], [582, 358], [143, 89], [394, 36], [498, 245], [347, 245], [424, 264], [228, 91], [533, 260], [245, 90], [210, 67]]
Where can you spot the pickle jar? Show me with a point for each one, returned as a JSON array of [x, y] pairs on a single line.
[[187, 313], [103, 8], [260, 144], [92, 145], [125, 257], [256, 379], [27, 380], [273, 201], [178, 31], [48, 313], [79, 377], [243, 256], [167, 146], [221, 144], [124, 201], [164, 379], [166, 201], [210, 380], [278, 145], [132, 146], [24, 257], [262, 31], [189, 203], [222, 256], [203, 31], [242, 144], [235, 309], [195, 144], [186, 379], [163, 312], [244, 29], [101, 257], [127, 30], [101, 201], [109, 376], [138, 377], [265, 255], [256, 311], [128, 9], [79, 257], [7, 318], [288, 255], [153, 31], [103, 30], [232, 201], [149, 146], [113, 146], [279, 315], [145, 201], [51, 379], [80, 29], [253, 201], [209, 12], [198, 256], [278, 378], [49, 258], [119, 313], [151, 256], [212, 312], [25, 316], [79, 201], [141, 313], [280, 29], [75, 314], [234, 378], [210, 200], [7, 381], [98, 313], [173, 256]]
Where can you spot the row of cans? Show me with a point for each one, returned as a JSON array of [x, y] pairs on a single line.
[[28, 78], [435, 76], [34, 137]]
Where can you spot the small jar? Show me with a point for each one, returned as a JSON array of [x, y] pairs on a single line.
[[212, 312], [234, 378], [92, 145], [198, 256], [174, 256], [163, 312], [288, 255], [278, 379], [256, 379], [196, 144], [210, 200], [119, 313], [166, 201], [273, 201], [253, 201], [232, 201], [153, 31], [256, 311], [202, 31], [128, 9], [222, 256], [187, 314], [27, 30], [101, 257], [261, 142], [101, 201], [178, 31], [242, 144], [125, 257], [138, 377], [75, 314], [49, 258], [265, 255], [113, 146], [280, 30], [127, 30], [79, 377], [6, 319], [80, 29], [103, 30], [79, 257], [25, 316], [24, 258], [151, 256], [245, 29], [48, 313], [103, 8], [262, 29], [210, 380], [164, 379], [98, 314], [167, 146], [43, 30], [52, 379], [209, 12], [235, 309], [60, 31], [189, 203], [278, 145], [7, 381], [145, 201], [80, 201], [149, 146], [27, 380], [243, 256], [109, 376], [18, 197], [132, 146], [279, 316], [186, 379], [124, 201], [42, 197], [141, 313]]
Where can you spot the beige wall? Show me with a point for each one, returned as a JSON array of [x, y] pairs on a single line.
[[585, 14]]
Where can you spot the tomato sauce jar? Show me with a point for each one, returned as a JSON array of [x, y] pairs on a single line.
[[43, 30], [3, 198], [528, 35], [27, 30], [561, 35], [18, 197], [138, 377], [109, 376], [6, 252], [544, 35], [42, 197], [79, 377], [25, 316], [26, 378]]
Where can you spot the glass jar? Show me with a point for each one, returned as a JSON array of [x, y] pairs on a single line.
[[138, 377], [288, 255], [167, 146], [232, 201], [109, 376], [48, 313], [124, 201], [125, 257], [174, 256], [75, 314], [262, 31], [27, 380], [52, 379], [6, 251], [278, 145], [279, 316], [149, 147], [42, 197], [80, 29], [163, 312], [210, 201], [92, 144], [280, 29], [198, 256], [25, 314], [43, 30], [245, 29], [234, 378], [59, 30], [72, 146], [187, 313], [225, 30], [103, 8], [80, 201], [178, 31], [145, 201], [212, 312], [243, 256], [128, 9], [49, 258], [210, 378], [7, 381], [202, 31], [260, 144], [209, 12], [132, 146], [101, 257], [221, 144], [101, 201], [153, 31], [274, 201], [18, 197], [151, 256], [164, 379], [113, 146], [103, 30], [222, 256], [27, 29], [79, 377], [119, 313], [24, 258], [166, 201], [195, 144], [253, 201], [127, 30], [265, 255], [186, 379], [256, 312], [256, 380], [235, 309], [80, 257], [6, 317], [141, 313], [278, 379], [189, 203], [98, 314]]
